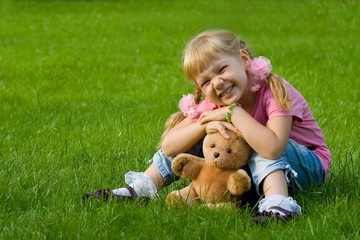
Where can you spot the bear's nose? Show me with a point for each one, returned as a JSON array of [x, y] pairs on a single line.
[[216, 154]]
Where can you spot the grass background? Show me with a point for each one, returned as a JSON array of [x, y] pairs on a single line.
[[85, 87]]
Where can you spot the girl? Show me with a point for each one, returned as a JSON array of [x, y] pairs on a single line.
[[274, 118]]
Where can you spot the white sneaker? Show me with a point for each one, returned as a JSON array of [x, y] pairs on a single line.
[[279, 204], [278, 208], [139, 183]]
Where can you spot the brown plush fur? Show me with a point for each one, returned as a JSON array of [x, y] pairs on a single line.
[[217, 177]]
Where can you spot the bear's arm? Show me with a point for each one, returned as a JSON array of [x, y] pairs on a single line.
[[187, 165]]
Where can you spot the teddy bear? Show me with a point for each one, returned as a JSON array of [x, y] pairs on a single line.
[[217, 178]]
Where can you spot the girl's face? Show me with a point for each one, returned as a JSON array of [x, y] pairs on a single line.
[[224, 80]]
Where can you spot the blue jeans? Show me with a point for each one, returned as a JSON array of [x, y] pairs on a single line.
[[300, 164]]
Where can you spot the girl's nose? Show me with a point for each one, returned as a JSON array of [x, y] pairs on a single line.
[[217, 82]]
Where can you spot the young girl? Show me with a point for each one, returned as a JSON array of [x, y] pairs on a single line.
[[274, 118]]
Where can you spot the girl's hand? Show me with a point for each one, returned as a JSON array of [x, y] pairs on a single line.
[[215, 115], [221, 127]]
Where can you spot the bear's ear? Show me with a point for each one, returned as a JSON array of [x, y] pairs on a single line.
[[237, 134], [232, 133], [211, 131]]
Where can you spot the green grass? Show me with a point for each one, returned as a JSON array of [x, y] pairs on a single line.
[[85, 87]]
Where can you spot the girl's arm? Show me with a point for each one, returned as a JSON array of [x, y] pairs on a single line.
[[268, 141], [182, 137], [186, 134]]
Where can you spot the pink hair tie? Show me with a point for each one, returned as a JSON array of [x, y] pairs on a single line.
[[259, 69], [188, 106]]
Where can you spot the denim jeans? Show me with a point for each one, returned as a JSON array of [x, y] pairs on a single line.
[[300, 164]]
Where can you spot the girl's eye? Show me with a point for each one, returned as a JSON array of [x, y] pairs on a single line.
[[206, 82], [222, 69]]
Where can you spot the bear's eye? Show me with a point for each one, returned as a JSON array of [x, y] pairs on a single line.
[[228, 150], [213, 145]]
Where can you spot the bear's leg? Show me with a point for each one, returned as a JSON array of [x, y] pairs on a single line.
[[239, 182], [180, 198], [222, 205]]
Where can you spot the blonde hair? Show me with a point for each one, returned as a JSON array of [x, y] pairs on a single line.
[[170, 123], [208, 45]]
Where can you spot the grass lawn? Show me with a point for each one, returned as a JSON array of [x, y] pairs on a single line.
[[86, 86]]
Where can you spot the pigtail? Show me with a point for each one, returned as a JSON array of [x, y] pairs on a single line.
[[198, 94], [170, 123], [177, 117], [279, 91]]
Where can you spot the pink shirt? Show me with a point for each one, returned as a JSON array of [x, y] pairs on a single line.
[[204, 106], [304, 130]]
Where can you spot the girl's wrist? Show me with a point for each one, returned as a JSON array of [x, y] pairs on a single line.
[[230, 110], [201, 126]]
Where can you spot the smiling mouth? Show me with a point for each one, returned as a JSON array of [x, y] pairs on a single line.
[[226, 92]]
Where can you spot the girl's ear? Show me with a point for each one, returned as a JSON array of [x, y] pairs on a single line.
[[245, 57]]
